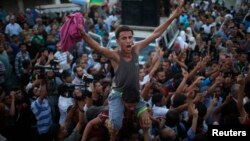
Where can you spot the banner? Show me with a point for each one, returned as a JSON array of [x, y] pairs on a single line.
[[96, 2]]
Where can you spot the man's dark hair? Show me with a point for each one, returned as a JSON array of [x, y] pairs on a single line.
[[172, 118], [130, 95], [121, 29], [178, 100], [22, 45], [201, 109], [65, 74], [157, 98], [42, 49]]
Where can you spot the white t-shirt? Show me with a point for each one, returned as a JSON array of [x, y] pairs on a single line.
[[63, 105], [145, 80], [159, 111]]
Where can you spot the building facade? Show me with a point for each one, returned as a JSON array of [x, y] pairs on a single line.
[[21, 5]]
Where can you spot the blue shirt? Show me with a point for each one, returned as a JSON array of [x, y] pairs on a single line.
[[42, 112]]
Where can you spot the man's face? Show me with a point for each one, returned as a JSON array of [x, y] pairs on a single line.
[[85, 57], [243, 58], [165, 65], [103, 59], [68, 79], [77, 93], [214, 66], [79, 72], [196, 58], [161, 76], [23, 48], [12, 20], [50, 74], [98, 87], [126, 41], [141, 73], [45, 53], [83, 64]]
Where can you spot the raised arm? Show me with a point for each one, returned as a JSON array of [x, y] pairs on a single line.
[[88, 128], [156, 61], [240, 96], [97, 48], [160, 29]]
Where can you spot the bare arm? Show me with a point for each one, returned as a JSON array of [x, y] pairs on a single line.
[[146, 133], [97, 48], [195, 70], [180, 108], [146, 89], [156, 61], [210, 108], [195, 83], [241, 81], [160, 29], [179, 62], [216, 83], [183, 82], [195, 118], [223, 105], [12, 106], [88, 128], [80, 122], [69, 115]]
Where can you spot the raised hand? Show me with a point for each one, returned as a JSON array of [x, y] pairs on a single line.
[[179, 10], [81, 29], [184, 73]]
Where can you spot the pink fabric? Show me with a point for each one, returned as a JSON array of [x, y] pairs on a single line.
[[69, 31]]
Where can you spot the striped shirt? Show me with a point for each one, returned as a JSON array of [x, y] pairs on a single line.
[[62, 56], [42, 112]]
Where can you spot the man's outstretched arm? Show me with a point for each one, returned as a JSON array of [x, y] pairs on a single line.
[[160, 29], [96, 46]]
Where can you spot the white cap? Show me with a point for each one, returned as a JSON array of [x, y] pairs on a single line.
[[192, 43]]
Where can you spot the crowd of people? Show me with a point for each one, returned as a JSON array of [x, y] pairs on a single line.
[[93, 93]]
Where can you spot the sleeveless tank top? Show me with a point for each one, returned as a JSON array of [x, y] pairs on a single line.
[[127, 73]]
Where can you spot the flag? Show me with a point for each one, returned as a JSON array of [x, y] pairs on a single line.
[[96, 2]]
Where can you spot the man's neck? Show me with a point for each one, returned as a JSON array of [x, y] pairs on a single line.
[[126, 55]]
